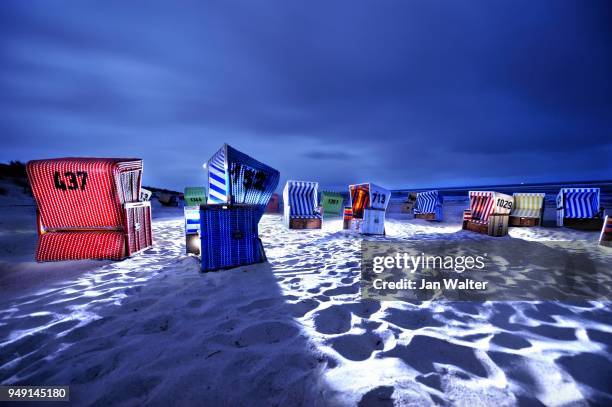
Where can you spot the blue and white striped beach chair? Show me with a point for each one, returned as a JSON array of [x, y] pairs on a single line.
[[428, 206], [300, 205], [239, 188], [579, 207]]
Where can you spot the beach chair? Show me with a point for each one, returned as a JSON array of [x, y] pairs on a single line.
[[488, 214], [300, 209], [347, 217], [194, 197], [239, 189], [89, 208], [579, 208], [273, 204], [331, 204], [408, 205], [368, 203], [145, 195], [527, 210], [428, 206], [605, 238]]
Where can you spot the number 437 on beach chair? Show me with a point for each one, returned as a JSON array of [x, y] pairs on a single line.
[[89, 208]]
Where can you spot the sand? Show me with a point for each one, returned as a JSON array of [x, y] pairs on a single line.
[[153, 330]]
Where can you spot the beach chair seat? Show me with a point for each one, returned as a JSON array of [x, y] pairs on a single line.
[[428, 206], [527, 210], [300, 205], [78, 198], [489, 213]]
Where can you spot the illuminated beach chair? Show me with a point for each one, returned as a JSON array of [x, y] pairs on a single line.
[[527, 210], [194, 197], [368, 203], [488, 214], [331, 203], [428, 206], [579, 208], [239, 188], [89, 208], [605, 238], [273, 204], [300, 209]]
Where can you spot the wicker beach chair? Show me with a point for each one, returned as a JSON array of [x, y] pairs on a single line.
[[428, 206], [368, 204], [239, 189], [488, 214], [527, 210], [331, 204], [579, 208], [89, 208], [300, 205]]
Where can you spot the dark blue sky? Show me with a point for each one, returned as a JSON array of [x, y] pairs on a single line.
[[401, 93]]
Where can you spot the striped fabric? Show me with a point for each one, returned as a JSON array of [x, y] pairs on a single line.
[[527, 205], [427, 202], [300, 200], [84, 192], [218, 184], [578, 203], [192, 219], [467, 214], [481, 205], [236, 178]]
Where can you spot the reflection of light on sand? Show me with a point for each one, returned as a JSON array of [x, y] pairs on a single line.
[[262, 328]]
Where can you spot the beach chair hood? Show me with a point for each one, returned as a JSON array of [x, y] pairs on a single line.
[[234, 177], [578, 203], [428, 202], [485, 203], [195, 196]]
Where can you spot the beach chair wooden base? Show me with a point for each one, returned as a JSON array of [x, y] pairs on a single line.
[[308, 223], [520, 221], [497, 226], [425, 216], [584, 224]]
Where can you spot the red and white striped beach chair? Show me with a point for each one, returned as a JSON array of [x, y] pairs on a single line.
[[489, 212], [89, 208]]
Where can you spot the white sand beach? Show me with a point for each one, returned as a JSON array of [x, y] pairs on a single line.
[[153, 330]]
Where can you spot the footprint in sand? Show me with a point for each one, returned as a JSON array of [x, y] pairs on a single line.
[[357, 347], [332, 320]]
